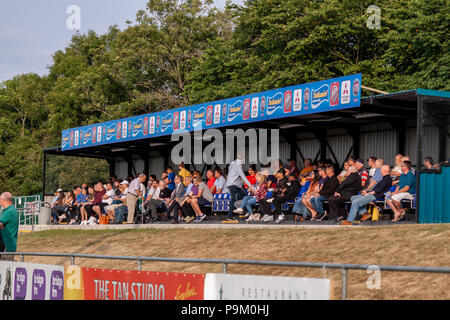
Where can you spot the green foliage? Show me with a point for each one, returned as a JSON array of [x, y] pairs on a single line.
[[182, 52]]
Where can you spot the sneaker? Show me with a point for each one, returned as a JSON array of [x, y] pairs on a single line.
[[197, 219], [366, 216], [202, 217], [281, 217], [250, 218], [238, 210], [268, 218], [324, 215], [256, 217], [269, 200], [346, 223], [339, 218], [189, 219], [231, 219], [91, 221]]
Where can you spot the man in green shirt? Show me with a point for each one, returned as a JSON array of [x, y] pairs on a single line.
[[9, 225]]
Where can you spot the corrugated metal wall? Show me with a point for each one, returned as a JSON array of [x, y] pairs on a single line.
[[378, 140], [340, 142]]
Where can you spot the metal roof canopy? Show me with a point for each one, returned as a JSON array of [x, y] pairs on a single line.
[[386, 107]]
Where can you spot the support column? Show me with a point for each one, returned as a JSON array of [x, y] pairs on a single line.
[[44, 165], [419, 150]]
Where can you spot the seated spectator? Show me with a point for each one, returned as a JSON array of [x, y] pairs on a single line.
[[351, 161], [86, 208], [107, 199], [372, 165], [183, 172], [293, 167], [202, 198], [220, 181], [300, 205], [251, 175], [397, 170], [359, 202], [377, 176], [327, 191], [308, 168], [118, 201], [151, 192], [80, 201], [258, 192], [210, 180], [359, 164], [344, 173], [347, 189], [57, 208], [170, 178], [405, 189], [186, 208], [290, 194], [428, 164], [159, 198], [97, 205], [68, 201], [174, 209], [270, 179], [119, 211]]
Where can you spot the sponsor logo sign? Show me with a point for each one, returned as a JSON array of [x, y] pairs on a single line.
[[356, 88], [248, 287], [274, 103], [345, 92], [217, 111], [124, 129], [66, 139], [306, 98], [198, 116], [183, 120], [209, 115], [320, 96], [166, 122], [145, 126], [30, 281], [334, 94], [152, 125], [255, 107], [77, 137], [263, 105], [138, 127], [224, 112], [287, 101], [246, 113], [298, 100], [234, 110], [176, 120], [101, 284]]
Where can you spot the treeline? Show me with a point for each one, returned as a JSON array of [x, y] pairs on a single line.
[[182, 52]]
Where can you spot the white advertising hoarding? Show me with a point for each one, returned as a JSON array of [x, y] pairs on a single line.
[[219, 286]]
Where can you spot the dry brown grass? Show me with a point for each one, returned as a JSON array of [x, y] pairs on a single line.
[[417, 245]]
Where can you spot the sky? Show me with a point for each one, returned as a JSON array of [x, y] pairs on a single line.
[[31, 31]]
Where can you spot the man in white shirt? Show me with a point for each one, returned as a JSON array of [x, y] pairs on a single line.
[[219, 184], [134, 193]]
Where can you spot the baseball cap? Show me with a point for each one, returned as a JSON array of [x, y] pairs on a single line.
[[59, 190], [360, 161], [124, 182]]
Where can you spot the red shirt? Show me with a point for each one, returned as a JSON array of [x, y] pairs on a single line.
[[210, 183], [251, 179], [98, 197]]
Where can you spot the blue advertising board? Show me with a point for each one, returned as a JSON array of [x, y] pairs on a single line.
[[315, 97]]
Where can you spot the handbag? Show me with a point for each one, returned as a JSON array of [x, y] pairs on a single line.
[[375, 212], [103, 219]]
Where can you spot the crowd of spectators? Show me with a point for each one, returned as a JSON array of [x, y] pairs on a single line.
[[258, 196]]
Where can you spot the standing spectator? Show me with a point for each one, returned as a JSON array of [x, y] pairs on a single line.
[[372, 165], [210, 180], [174, 208], [183, 172], [134, 193], [9, 225], [235, 180], [359, 202], [256, 195], [359, 164], [251, 175], [347, 189], [293, 167], [219, 183], [405, 189]]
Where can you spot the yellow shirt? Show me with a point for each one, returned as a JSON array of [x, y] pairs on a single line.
[[184, 173]]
